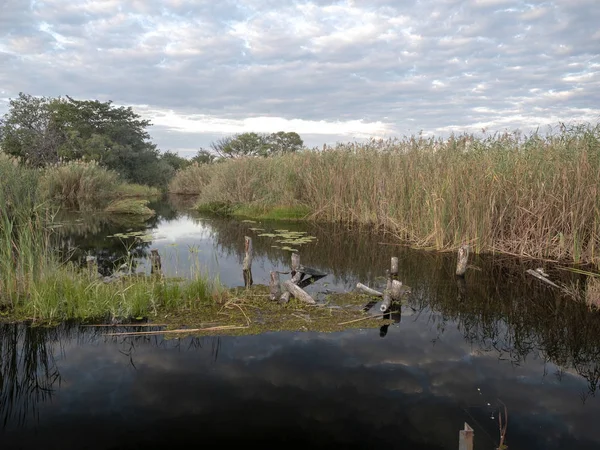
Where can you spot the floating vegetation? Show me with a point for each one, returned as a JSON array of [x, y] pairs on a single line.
[[140, 235], [257, 229], [289, 238], [249, 221]]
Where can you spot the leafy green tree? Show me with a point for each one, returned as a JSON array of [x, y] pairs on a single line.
[[282, 142], [204, 157], [174, 160], [44, 130], [254, 144], [29, 130]]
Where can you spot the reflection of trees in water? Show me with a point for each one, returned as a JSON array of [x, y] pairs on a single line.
[[78, 235], [348, 255], [29, 373], [502, 309]]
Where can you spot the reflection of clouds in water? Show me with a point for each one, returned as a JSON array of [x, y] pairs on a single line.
[[183, 227]]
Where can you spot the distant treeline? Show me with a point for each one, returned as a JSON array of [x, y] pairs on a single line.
[[43, 131]]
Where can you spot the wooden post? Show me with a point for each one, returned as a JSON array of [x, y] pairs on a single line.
[[155, 263], [463, 258], [387, 294], [92, 266], [295, 263], [396, 290], [465, 438], [298, 292], [247, 267], [367, 290], [275, 287], [394, 268]]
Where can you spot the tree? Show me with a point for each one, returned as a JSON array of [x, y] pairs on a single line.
[[29, 130], [282, 142], [44, 130], [204, 157], [174, 160], [254, 144]]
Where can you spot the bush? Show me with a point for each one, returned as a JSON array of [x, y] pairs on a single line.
[[191, 180], [79, 184]]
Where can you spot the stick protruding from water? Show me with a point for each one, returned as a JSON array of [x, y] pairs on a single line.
[[247, 266], [394, 267], [463, 259]]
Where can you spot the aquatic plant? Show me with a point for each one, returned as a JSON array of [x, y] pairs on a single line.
[[529, 195]]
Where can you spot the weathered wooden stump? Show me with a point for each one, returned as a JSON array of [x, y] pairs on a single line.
[[247, 265], [463, 259], [275, 287], [367, 290], [394, 268], [387, 294], [298, 292], [465, 438], [155, 263]]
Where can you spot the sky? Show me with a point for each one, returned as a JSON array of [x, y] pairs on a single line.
[[333, 71]]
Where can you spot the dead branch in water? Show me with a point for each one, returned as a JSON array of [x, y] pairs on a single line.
[[180, 331]]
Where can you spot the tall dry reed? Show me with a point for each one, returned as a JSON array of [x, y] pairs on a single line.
[[191, 180], [531, 195]]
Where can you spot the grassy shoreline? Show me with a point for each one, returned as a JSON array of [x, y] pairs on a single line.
[[533, 196]]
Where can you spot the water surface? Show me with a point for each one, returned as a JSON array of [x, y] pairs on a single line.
[[457, 353]]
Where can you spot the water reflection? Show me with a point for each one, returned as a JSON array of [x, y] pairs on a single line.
[[457, 348]]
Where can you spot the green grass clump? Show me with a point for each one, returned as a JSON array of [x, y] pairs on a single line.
[[191, 180], [79, 184], [534, 195], [130, 206], [126, 190]]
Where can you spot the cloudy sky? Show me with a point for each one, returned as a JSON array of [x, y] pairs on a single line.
[[330, 70]]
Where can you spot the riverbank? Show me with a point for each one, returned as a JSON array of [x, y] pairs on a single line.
[[533, 196]]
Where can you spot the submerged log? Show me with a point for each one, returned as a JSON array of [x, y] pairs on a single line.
[[275, 286], [367, 290], [394, 267], [463, 259], [155, 262], [298, 292], [247, 266], [539, 276], [387, 294]]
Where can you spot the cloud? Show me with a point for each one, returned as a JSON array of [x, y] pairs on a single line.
[[332, 70]]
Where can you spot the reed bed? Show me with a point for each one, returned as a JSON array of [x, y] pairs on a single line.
[[34, 284], [528, 195], [191, 180]]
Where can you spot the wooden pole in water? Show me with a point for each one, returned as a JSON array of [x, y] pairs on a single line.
[[394, 267], [275, 287], [466, 438], [463, 258], [295, 263], [155, 263], [396, 290], [387, 294], [247, 267]]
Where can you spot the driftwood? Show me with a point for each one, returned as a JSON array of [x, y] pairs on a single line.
[[539, 276], [367, 290], [298, 292], [155, 262], [247, 266], [394, 267], [463, 259], [275, 286], [387, 294]]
